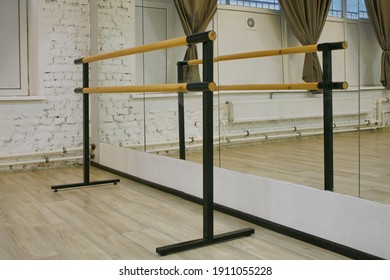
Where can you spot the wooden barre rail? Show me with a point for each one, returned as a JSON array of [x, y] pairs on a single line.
[[300, 86], [158, 88], [284, 51], [188, 87], [176, 42]]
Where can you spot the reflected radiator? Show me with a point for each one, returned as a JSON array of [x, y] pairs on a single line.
[[282, 109]]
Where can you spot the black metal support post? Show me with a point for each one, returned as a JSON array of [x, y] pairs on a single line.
[[208, 143], [86, 125], [180, 101], [328, 118], [208, 170], [328, 87], [86, 158]]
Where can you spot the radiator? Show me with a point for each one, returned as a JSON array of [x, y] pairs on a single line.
[[280, 109]]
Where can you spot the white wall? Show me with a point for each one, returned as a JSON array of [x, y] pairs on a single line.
[[117, 113], [50, 119], [235, 37]]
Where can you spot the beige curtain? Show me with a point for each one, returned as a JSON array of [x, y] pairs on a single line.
[[379, 13], [195, 15], [307, 18]]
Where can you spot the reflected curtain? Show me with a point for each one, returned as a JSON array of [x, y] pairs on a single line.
[[195, 15], [379, 13], [307, 18]]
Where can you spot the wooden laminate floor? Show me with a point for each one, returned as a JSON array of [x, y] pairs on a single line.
[[126, 221], [361, 163]]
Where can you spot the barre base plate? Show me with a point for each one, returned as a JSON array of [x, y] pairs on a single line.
[[78, 185], [193, 244]]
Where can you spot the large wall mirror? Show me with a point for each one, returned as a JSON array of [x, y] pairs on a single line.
[[273, 134]]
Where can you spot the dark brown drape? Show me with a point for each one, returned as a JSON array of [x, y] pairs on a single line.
[[195, 15], [379, 14], [307, 18]]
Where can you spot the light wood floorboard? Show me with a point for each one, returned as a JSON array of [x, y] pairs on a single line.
[[126, 221]]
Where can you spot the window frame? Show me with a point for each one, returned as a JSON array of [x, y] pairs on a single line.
[[23, 55], [228, 4]]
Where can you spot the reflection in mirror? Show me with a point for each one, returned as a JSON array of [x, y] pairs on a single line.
[[374, 143], [345, 105], [270, 133], [120, 116], [157, 21], [278, 134], [151, 22]]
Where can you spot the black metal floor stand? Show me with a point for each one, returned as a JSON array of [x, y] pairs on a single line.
[[86, 157], [208, 171]]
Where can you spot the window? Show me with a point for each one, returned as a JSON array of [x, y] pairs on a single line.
[[354, 9], [336, 9], [13, 46], [264, 4], [362, 9]]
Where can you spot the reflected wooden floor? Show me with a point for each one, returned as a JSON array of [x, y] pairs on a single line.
[[300, 161], [126, 221]]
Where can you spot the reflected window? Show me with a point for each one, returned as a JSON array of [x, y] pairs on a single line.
[[263, 4], [354, 9], [336, 9]]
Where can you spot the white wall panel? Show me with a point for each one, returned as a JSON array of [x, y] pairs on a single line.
[[370, 56], [334, 32], [235, 37], [352, 53]]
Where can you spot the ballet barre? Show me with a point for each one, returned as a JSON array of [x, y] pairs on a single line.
[[207, 86], [191, 87], [85, 61]]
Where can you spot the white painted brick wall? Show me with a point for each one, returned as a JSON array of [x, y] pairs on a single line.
[[121, 118], [56, 123]]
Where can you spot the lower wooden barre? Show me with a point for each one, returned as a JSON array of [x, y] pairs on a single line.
[[302, 86], [158, 88], [188, 87]]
